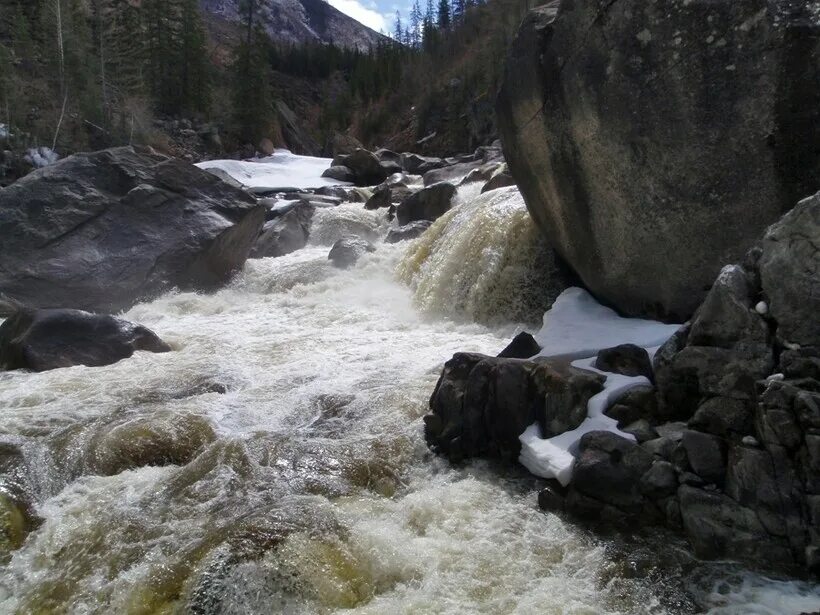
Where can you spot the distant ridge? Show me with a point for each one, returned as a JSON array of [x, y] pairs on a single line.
[[302, 21]]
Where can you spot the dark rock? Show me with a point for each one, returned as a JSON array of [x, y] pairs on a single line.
[[641, 429], [706, 455], [481, 405], [104, 230], [637, 403], [501, 180], [801, 363], [419, 165], [523, 346], [609, 468], [340, 173], [427, 204], [551, 499], [285, 233], [659, 481], [626, 359], [347, 251], [790, 273], [653, 178], [723, 416], [386, 155], [566, 394], [716, 526], [44, 339], [662, 447], [408, 231], [367, 169], [390, 167], [380, 198]]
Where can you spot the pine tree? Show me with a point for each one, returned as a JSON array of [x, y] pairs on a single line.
[[444, 14], [398, 28]]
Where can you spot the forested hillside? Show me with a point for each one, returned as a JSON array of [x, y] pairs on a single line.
[[86, 74]]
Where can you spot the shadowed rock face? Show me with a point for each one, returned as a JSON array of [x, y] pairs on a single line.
[[654, 142], [102, 231], [41, 340]]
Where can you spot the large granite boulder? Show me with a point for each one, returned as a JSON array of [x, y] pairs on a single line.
[[104, 230], [655, 141], [44, 339]]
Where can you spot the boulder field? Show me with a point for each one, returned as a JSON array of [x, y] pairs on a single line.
[[655, 141], [725, 447], [104, 230]]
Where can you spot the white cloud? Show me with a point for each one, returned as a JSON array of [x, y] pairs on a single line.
[[359, 12]]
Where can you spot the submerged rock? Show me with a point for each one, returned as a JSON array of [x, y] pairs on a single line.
[[644, 199], [104, 230], [41, 340], [346, 252]]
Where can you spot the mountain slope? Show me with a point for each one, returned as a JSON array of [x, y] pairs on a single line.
[[301, 21]]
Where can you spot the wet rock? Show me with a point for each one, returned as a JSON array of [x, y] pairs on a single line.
[[419, 165], [627, 359], [367, 169], [663, 447], [461, 173], [340, 173], [566, 393], [481, 405], [165, 438], [523, 346], [346, 252], [103, 230], [637, 403], [551, 498], [380, 199], [386, 155], [603, 197], [609, 468], [659, 481], [286, 233], [723, 416], [790, 273], [427, 204], [500, 180], [706, 455], [41, 340], [408, 231], [641, 429]]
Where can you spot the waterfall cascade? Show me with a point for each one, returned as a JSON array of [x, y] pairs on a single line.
[[484, 260]]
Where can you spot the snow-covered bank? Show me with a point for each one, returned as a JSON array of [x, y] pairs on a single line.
[[281, 170], [578, 327]]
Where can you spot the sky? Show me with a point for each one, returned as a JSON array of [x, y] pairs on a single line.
[[376, 14]]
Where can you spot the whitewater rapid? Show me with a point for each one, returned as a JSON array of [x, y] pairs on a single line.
[[291, 474]]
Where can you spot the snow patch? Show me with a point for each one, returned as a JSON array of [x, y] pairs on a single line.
[[281, 170], [578, 327], [4, 131], [555, 457]]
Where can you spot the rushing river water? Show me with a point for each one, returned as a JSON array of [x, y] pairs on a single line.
[[274, 463]]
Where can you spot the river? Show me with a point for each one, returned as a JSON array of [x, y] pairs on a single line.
[[275, 463]]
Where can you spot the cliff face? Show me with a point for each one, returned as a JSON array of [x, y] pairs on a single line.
[[301, 21], [654, 142]]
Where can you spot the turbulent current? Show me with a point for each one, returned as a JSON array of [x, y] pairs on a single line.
[[274, 463]]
